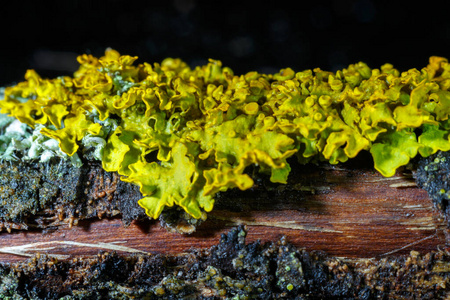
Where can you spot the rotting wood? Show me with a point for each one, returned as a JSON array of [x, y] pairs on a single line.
[[231, 268], [351, 213], [42, 196], [360, 219]]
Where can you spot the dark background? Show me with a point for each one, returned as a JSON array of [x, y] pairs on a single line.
[[48, 35]]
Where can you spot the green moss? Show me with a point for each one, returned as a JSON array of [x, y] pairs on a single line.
[[184, 134]]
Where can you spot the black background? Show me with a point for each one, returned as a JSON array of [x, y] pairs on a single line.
[[246, 36]]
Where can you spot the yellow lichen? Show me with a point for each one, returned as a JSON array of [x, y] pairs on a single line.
[[184, 134]]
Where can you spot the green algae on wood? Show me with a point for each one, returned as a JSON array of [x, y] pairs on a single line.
[[183, 134]]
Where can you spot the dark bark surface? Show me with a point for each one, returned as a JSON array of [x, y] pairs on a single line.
[[232, 268], [354, 233], [34, 195], [433, 175], [346, 210]]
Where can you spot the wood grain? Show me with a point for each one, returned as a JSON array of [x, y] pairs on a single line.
[[347, 212]]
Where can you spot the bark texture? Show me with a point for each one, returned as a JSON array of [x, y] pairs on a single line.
[[232, 268]]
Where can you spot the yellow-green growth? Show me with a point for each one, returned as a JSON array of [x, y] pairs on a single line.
[[184, 134]]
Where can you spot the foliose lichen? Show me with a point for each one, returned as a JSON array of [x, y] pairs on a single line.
[[18, 141], [184, 134]]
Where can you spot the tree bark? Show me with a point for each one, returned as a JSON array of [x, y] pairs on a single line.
[[347, 211]]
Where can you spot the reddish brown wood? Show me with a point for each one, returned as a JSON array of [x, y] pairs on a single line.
[[352, 214]]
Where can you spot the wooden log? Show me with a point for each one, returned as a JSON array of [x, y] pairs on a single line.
[[346, 211], [231, 269]]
